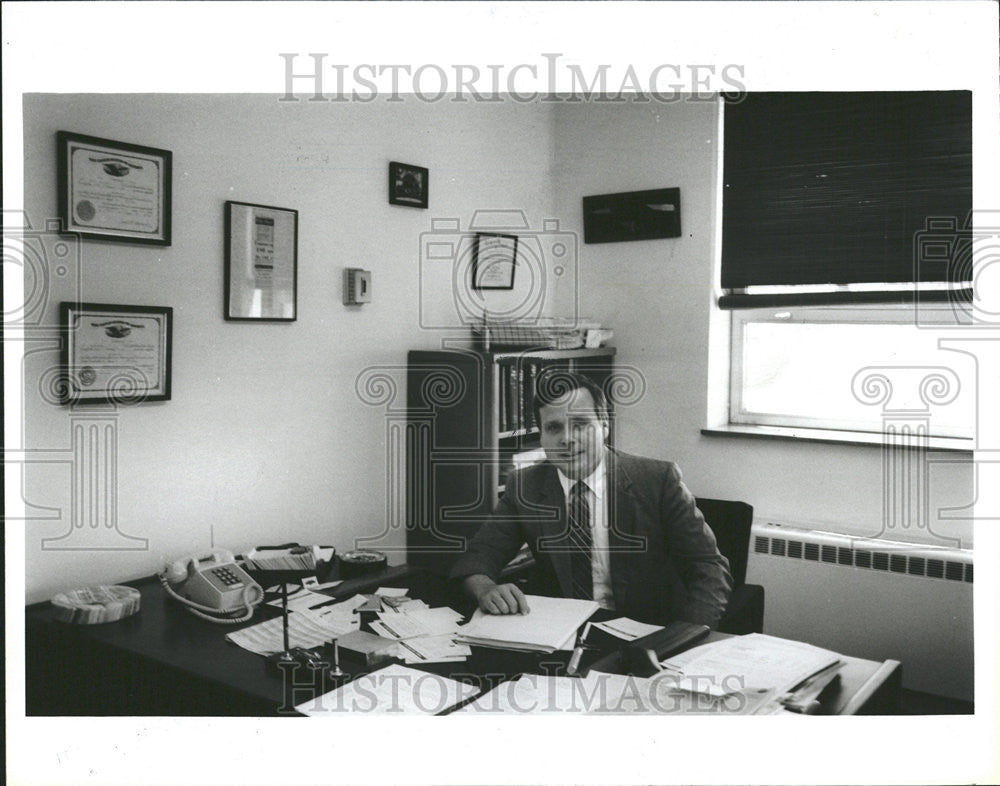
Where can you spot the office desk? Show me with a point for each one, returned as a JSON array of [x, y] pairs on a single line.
[[164, 661]]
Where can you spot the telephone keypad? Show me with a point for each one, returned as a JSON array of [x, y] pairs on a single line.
[[227, 577]]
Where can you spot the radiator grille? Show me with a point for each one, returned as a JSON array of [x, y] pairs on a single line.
[[867, 558]]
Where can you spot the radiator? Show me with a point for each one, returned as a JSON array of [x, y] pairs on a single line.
[[871, 598]]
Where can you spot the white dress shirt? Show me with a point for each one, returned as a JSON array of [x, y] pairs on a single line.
[[597, 496]]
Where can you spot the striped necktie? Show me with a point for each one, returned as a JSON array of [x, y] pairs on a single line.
[[581, 541]]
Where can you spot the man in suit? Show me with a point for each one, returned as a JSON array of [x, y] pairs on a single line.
[[602, 524]]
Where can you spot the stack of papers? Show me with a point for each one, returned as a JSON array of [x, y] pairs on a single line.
[[424, 635], [550, 625], [754, 662], [392, 690], [296, 558]]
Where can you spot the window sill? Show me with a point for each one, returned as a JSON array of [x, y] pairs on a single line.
[[830, 436]]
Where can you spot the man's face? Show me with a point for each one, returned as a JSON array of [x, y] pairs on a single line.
[[573, 435]]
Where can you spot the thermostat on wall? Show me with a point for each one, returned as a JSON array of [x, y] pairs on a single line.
[[357, 286]]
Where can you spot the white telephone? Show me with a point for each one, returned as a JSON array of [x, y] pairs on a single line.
[[214, 588]]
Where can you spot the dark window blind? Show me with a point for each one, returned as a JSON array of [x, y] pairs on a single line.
[[833, 188]]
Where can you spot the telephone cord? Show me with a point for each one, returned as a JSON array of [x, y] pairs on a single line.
[[194, 607]]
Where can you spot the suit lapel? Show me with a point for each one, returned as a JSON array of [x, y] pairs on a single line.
[[623, 542], [553, 532]]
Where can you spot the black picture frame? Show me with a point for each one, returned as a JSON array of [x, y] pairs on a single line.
[[633, 215], [105, 359], [494, 260], [114, 191], [261, 263], [409, 185]]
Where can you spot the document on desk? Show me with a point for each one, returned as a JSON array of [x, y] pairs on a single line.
[[751, 662], [627, 629], [422, 622], [425, 635], [599, 693], [395, 689], [306, 628], [547, 627]]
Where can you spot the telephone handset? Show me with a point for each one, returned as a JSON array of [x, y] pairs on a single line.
[[214, 588]]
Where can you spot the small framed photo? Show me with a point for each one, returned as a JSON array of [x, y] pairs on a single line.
[[493, 259], [115, 354], [114, 191], [261, 262], [408, 184]]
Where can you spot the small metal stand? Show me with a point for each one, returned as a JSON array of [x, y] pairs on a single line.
[[335, 670], [285, 656]]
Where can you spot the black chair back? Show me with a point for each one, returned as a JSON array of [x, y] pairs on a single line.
[[731, 522]]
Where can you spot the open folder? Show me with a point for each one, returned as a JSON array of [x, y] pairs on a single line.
[[550, 625]]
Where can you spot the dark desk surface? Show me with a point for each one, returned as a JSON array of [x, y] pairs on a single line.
[[165, 661]]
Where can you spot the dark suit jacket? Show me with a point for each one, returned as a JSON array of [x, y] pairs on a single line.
[[664, 561]]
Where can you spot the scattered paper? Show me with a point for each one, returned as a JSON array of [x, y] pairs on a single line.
[[422, 622], [628, 629], [325, 585], [433, 649], [306, 629], [299, 600], [391, 592], [393, 690]]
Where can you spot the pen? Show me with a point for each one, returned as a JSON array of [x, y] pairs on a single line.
[[574, 661]]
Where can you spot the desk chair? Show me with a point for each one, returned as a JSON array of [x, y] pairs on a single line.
[[731, 521]]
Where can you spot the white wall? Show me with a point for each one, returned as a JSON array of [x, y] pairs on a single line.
[[656, 294], [265, 438]]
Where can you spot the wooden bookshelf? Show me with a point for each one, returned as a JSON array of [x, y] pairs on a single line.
[[469, 422]]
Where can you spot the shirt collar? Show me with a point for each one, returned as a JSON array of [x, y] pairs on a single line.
[[596, 481]]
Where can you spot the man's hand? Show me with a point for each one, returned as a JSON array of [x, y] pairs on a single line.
[[496, 598]]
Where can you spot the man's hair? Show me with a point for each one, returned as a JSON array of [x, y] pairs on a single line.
[[553, 384]]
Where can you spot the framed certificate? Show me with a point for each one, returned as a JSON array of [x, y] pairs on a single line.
[[261, 262], [115, 354], [113, 190], [493, 260]]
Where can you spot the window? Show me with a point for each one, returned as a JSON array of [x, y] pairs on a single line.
[[843, 216], [822, 368]]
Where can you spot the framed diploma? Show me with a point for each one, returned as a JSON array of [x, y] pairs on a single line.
[[113, 190], [115, 354], [493, 260], [261, 262]]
